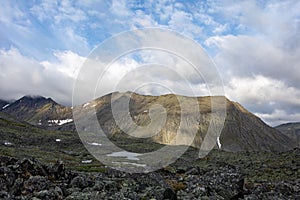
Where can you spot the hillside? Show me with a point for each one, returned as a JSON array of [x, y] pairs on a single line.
[[20, 139]]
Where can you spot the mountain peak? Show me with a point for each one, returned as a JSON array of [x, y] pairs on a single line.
[[33, 97], [36, 99], [36, 109]]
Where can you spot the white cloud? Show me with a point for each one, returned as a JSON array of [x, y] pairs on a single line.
[[158, 65], [262, 90], [247, 55], [58, 11], [21, 75], [72, 41], [10, 14], [259, 60], [183, 22], [265, 96], [279, 117], [276, 21], [68, 63], [119, 8], [142, 20]]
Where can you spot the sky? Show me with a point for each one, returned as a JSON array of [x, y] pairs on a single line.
[[254, 44]]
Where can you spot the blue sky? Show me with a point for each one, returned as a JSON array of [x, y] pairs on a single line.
[[255, 45]]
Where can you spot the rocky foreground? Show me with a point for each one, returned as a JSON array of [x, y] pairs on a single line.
[[218, 176]]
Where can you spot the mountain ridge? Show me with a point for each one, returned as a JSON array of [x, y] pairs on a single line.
[[242, 131]]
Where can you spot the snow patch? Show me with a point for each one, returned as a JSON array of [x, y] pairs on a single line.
[[57, 140], [86, 161], [64, 121], [128, 155], [89, 105], [8, 143], [5, 106], [94, 143], [219, 143], [85, 105], [60, 121]]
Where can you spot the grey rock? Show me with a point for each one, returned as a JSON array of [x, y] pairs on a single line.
[[79, 182]]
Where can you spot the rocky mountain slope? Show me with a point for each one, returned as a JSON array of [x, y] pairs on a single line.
[[39, 110], [242, 130], [292, 130]]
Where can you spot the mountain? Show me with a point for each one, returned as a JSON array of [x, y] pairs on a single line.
[[51, 162], [242, 130], [43, 164], [3, 104], [38, 110], [292, 130]]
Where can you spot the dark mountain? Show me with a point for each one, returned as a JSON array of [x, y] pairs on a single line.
[[38, 110], [3, 104], [292, 130], [242, 130]]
